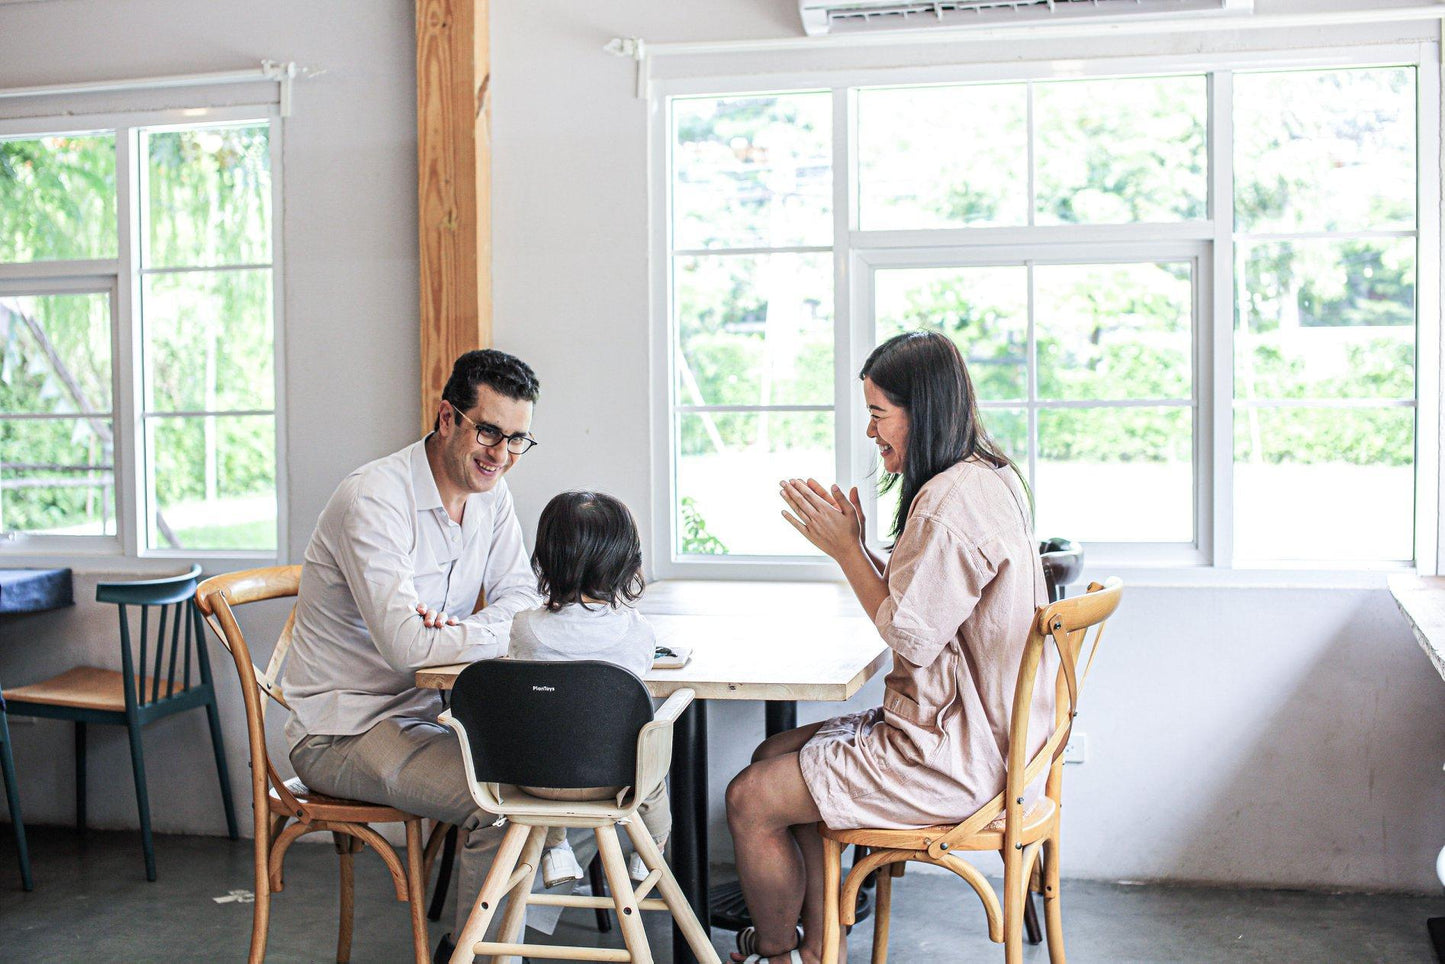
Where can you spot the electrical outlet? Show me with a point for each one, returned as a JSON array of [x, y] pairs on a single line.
[[1077, 749]]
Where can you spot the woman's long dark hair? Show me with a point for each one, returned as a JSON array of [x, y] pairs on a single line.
[[923, 373]]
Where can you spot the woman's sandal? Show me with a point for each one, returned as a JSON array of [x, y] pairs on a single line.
[[747, 942]]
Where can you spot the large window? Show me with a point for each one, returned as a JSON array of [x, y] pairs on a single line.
[[1187, 301], [137, 408]]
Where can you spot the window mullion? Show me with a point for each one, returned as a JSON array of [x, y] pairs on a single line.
[[852, 314], [1216, 369], [129, 428], [1429, 515], [1032, 378]]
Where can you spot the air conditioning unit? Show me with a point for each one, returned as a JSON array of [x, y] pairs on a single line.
[[847, 16]]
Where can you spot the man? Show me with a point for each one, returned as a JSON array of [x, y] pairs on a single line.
[[397, 563]]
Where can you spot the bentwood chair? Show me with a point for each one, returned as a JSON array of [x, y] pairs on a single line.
[[1025, 838], [285, 810], [516, 720], [164, 670]]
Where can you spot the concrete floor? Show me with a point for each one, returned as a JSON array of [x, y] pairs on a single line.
[[92, 903]]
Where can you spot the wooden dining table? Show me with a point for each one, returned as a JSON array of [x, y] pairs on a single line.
[[780, 643], [1422, 602]]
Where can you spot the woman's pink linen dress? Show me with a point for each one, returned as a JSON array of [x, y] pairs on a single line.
[[963, 583]]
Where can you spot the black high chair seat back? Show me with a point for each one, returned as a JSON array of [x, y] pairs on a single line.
[[552, 724]]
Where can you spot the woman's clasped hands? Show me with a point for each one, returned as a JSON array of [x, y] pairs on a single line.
[[826, 517]]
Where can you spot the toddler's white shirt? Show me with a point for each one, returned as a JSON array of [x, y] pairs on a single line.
[[593, 631]]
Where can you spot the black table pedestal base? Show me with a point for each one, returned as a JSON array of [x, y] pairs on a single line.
[[730, 912], [1436, 927]]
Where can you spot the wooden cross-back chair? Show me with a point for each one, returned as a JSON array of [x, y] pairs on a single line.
[[164, 669], [1027, 839], [286, 810]]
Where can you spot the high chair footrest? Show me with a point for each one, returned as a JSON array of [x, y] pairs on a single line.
[[581, 900], [550, 952]]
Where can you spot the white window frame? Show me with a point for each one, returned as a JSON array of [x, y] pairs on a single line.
[[1210, 241], [122, 275]]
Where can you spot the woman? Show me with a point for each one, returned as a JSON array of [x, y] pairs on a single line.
[[954, 603]]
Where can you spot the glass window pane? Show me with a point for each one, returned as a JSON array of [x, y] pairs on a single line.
[[1115, 331], [208, 341], [728, 469], [755, 330], [1324, 484], [1326, 319], [55, 353], [984, 310], [214, 480], [57, 198], [1325, 150], [753, 171], [210, 196], [1007, 427], [1115, 475], [943, 157], [57, 476], [1121, 151]]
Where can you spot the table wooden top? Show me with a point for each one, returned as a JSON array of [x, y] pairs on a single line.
[[752, 641], [1422, 600]]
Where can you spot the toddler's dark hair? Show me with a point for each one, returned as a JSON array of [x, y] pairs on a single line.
[[587, 546]]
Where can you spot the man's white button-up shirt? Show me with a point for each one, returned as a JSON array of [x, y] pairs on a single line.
[[383, 544]]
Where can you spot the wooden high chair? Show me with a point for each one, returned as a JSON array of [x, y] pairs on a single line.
[[1027, 839], [516, 720]]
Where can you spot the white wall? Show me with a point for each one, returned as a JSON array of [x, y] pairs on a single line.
[[1273, 735]]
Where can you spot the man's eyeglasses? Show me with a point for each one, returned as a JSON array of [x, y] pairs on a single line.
[[490, 435]]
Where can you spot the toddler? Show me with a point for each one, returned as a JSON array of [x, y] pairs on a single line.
[[588, 563]]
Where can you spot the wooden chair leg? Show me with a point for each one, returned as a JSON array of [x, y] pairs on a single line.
[[444, 876], [80, 775], [599, 889], [347, 899], [416, 890], [671, 892], [1015, 892], [492, 890], [832, 881], [218, 744], [142, 796], [261, 909], [883, 903], [516, 914], [1053, 910], [12, 800], [628, 917]]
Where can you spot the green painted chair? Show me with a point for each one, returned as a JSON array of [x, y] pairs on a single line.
[[164, 670], [12, 799]]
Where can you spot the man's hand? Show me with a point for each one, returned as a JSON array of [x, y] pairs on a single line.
[[432, 618]]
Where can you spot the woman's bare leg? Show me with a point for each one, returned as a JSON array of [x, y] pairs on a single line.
[[779, 854]]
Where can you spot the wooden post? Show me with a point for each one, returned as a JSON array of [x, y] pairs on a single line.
[[454, 170]]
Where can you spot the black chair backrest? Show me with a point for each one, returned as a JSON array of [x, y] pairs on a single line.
[[552, 724], [1063, 563], [160, 650]]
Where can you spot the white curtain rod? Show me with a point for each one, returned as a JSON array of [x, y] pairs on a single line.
[[270, 70], [634, 46]]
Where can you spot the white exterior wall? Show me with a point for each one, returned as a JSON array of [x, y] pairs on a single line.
[[1263, 734]]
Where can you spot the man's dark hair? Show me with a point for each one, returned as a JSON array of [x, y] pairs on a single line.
[[923, 373], [504, 374], [587, 545]]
